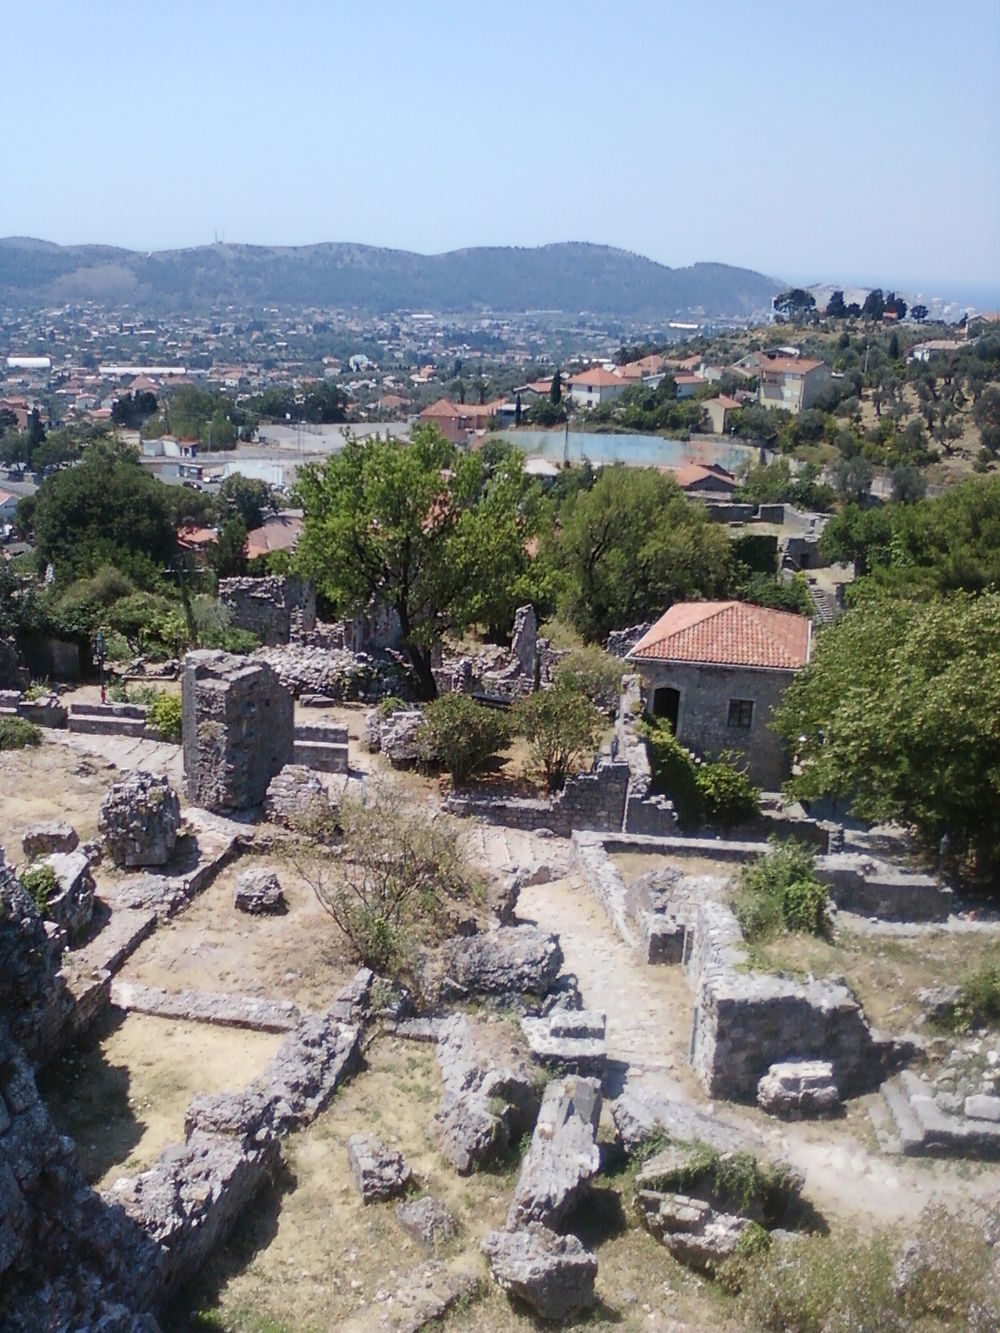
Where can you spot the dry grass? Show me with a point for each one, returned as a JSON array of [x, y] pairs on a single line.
[[49, 782]]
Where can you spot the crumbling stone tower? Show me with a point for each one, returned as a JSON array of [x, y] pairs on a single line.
[[238, 729]]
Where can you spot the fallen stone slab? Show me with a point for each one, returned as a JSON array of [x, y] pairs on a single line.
[[53, 836], [253, 1012], [379, 1172], [427, 1221], [641, 1113], [983, 1106], [795, 1089], [569, 1041], [468, 1132], [188, 1201], [258, 893], [563, 1153], [422, 1298], [71, 906], [510, 961], [554, 1275], [691, 1229]]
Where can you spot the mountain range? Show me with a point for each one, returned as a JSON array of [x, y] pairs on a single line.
[[569, 277]]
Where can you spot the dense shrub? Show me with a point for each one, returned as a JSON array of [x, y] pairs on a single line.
[[39, 883], [673, 771], [726, 789], [460, 736], [17, 734], [164, 717], [591, 671], [561, 726], [780, 891]]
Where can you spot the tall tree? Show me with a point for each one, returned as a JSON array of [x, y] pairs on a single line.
[[835, 308], [796, 303], [555, 389]]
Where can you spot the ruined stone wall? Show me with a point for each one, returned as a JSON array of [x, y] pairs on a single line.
[[746, 1021], [276, 609], [594, 800], [238, 729]]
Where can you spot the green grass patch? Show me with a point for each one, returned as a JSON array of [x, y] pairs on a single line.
[[16, 733]]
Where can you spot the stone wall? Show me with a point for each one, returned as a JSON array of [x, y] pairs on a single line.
[[703, 718], [594, 800], [276, 609], [238, 729]]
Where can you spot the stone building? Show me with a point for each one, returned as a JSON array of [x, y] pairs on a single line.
[[717, 671], [277, 609]]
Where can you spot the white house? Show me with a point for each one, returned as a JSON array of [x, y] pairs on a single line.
[[791, 382], [591, 387]]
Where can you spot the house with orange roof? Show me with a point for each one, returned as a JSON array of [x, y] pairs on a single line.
[[716, 671], [592, 387], [792, 383], [460, 421], [704, 479], [719, 410]]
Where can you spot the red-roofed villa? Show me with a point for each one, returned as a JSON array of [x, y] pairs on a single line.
[[717, 671]]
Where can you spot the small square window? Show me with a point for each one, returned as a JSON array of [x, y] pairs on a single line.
[[740, 712]]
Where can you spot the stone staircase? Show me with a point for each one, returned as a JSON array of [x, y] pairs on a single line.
[[916, 1125], [107, 719], [826, 606], [323, 748]]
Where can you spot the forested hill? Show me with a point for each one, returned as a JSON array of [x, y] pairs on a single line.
[[570, 277]]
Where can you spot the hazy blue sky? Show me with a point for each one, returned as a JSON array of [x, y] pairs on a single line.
[[837, 140]]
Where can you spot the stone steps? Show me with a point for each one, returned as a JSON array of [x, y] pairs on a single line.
[[323, 756], [102, 724], [319, 731], [924, 1130]]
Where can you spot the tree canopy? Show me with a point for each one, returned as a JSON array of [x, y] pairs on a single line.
[[899, 712]]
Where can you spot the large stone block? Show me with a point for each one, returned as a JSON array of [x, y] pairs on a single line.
[[238, 729], [139, 819]]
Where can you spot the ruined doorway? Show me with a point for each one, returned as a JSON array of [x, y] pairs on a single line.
[[667, 704]]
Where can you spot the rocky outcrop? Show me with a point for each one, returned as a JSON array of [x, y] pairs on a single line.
[[563, 1153], [427, 1221], [691, 1229], [55, 835], [71, 905], [490, 1098], [554, 1275], [139, 819], [506, 963], [258, 893], [32, 996], [798, 1089], [296, 798], [379, 1173]]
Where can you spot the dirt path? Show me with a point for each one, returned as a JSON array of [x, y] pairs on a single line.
[[649, 1014]]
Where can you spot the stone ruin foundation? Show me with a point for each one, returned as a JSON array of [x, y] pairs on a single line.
[[238, 729], [276, 609]]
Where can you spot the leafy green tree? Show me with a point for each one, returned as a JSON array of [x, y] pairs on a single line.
[[247, 497], [909, 484], [986, 415], [228, 556], [874, 306], [835, 308], [852, 477], [897, 712], [561, 726], [132, 409], [381, 522], [104, 510], [633, 545], [775, 483], [461, 736], [860, 536], [796, 303], [919, 313], [555, 389]]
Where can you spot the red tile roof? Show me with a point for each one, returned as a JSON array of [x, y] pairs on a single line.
[[728, 634], [691, 472], [789, 365], [598, 375]]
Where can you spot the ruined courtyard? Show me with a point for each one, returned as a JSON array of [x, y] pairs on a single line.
[[253, 1133]]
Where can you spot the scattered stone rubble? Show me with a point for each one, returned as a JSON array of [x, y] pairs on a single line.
[[258, 893], [380, 1173], [337, 673], [568, 1041], [296, 798], [55, 835], [139, 819], [953, 1111], [503, 964], [428, 1221], [491, 1095], [563, 1154], [394, 734], [552, 1274], [798, 1089]]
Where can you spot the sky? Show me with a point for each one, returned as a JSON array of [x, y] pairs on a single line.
[[818, 140]]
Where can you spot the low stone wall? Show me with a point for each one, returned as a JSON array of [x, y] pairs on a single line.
[[276, 609], [870, 887], [594, 800]]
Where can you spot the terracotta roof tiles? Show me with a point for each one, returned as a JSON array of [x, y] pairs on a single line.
[[728, 634]]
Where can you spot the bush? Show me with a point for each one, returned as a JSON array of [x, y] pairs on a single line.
[[460, 736], [391, 704], [164, 717], [978, 1004], [780, 891], [593, 672], [561, 726], [674, 772], [398, 875], [18, 734], [726, 789], [39, 883]]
